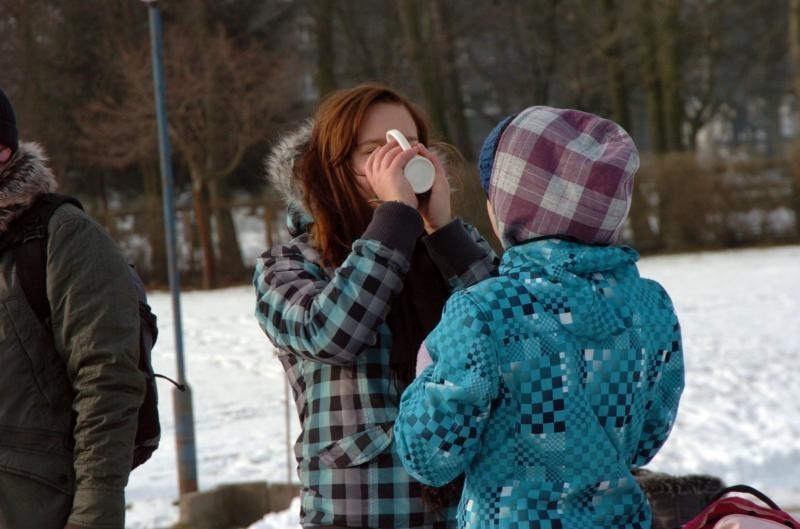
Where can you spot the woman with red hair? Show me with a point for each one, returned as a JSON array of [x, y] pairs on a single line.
[[349, 300]]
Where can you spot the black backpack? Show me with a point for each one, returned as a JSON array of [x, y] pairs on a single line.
[[29, 244]]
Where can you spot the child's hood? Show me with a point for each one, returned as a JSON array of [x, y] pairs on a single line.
[[576, 283], [550, 171]]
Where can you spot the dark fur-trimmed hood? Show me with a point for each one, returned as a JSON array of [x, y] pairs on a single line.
[[22, 180], [280, 162]]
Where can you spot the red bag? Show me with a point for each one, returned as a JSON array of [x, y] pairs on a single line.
[[740, 513]]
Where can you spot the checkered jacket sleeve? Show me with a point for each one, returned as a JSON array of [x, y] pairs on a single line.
[[321, 318], [662, 408], [462, 255], [443, 412]]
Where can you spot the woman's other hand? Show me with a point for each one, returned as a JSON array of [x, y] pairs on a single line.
[[435, 210]]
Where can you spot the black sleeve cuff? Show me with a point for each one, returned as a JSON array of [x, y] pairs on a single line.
[[452, 248], [396, 225]]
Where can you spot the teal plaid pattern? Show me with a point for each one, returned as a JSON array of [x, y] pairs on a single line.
[[548, 383], [332, 340]]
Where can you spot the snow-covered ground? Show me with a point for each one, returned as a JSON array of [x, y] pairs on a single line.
[[739, 417]]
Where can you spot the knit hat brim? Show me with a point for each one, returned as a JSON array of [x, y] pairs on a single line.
[[486, 156]]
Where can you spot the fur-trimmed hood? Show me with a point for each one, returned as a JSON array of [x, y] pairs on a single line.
[[280, 163], [24, 178]]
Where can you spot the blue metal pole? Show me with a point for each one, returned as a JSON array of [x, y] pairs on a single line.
[[182, 400]]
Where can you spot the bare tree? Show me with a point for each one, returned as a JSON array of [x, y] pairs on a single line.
[[222, 96]]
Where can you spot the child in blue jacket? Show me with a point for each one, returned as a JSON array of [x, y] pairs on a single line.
[[552, 380]]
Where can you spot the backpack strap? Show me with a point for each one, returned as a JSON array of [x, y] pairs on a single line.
[[30, 251], [747, 490]]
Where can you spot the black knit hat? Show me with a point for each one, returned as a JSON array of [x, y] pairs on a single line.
[[8, 124]]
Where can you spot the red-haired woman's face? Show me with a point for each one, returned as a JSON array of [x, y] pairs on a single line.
[[379, 118]]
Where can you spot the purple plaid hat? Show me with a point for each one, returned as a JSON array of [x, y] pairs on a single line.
[[559, 172]]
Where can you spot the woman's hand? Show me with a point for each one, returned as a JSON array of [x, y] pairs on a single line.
[[384, 172], [435, 210]]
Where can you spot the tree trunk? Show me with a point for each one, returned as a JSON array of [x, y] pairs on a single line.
[[202, 221], [794, 47], [422, 62], [269, 236], [643, 235], [157, 274], [794, 50], [670, 75], [274, 213], [544, 75], [32, 121], [774, 147], [101, 209], [650, 74], [230, 261], [617, 83], [323, 27], [454, 98], [537, 46], [190, 240]]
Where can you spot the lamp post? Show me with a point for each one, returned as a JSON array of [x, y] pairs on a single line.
[[182, 400]]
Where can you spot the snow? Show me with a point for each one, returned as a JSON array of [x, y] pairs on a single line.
[[739, 416], [740, 413], [289, 518]]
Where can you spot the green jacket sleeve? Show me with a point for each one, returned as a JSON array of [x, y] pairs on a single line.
[[96, 330]]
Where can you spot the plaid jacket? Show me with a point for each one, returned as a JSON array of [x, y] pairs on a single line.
[[328, 326], [549, 383]]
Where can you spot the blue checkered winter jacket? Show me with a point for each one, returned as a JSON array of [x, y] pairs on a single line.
[[332, 339], [548, 384]]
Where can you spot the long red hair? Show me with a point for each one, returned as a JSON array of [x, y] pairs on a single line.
[[329, 185]]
